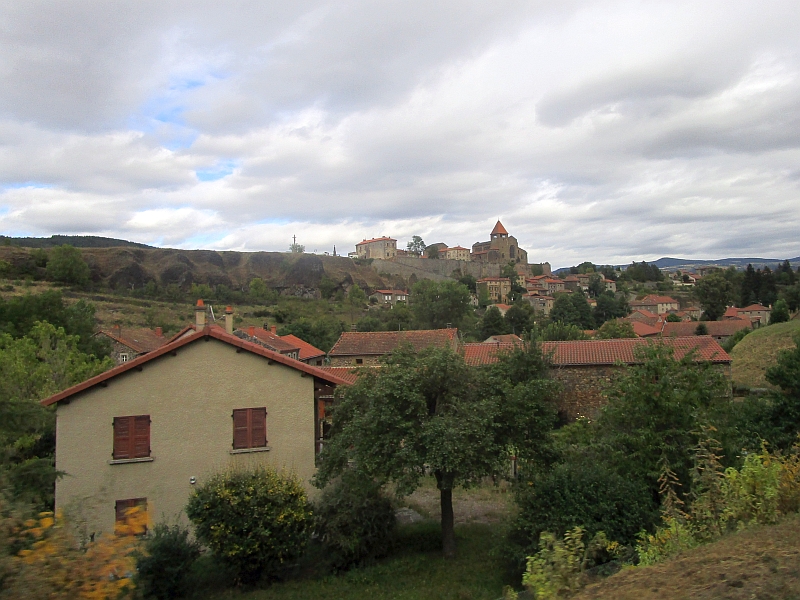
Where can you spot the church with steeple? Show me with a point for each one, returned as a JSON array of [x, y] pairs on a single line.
[[501, 248]]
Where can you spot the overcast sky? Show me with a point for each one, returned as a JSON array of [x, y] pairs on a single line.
[[602, 131]]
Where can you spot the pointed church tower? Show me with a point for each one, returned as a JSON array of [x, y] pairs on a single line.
[[499, 231]]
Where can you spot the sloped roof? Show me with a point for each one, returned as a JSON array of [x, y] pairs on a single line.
[[352, 343], [306, 350], [395, 292], [731, 313], [714, 328], [753, 307], [644, 330], [272, 340], [212, 331], [140, 339], [653, 299], [380, 239], [603, 352], [499, 229], [507, 338], [348, 374]]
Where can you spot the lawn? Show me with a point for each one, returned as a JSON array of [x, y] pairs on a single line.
[[416, 571], [759, 350]]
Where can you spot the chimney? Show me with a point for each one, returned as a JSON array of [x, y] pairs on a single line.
[[251, 331], [159, 332], [229, 320], [200, 314], [353, 327], [274, 329]]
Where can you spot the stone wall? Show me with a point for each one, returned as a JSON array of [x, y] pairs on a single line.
[[582, 389], [440, 269]]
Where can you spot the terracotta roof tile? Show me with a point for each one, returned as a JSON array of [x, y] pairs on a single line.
[[211, 331], [307, 351], [508, 338], [272, 340], [380, 239], [499, 229], [753, 307], [352, 343], [645, 330], [140, 339]]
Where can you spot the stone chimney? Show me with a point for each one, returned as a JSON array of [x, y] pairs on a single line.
[[200, 314], [229, 320]]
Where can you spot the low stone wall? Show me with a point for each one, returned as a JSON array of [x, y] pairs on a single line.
[[582, 389]]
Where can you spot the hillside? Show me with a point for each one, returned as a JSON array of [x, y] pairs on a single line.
[[757, 563], [131, 268], [759, 350], [79, 241]]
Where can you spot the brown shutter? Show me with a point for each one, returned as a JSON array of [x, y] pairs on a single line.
[[241, 439], [122, 437], [141, 436], [121, 507], [258, 427]]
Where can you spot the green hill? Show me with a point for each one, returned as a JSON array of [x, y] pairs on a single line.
[[759, 350]]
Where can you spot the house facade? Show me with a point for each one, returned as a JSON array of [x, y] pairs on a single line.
[[128, 343], [357, 348], [656, 304], [382, 247], [148, 431], [390, 297], [498, 288]]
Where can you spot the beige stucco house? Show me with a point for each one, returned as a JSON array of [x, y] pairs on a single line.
[[382, 247], [151, 429]]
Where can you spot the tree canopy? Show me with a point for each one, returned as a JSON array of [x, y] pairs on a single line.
[[715, 293], [436, 304], [65, 264], [430, 410]]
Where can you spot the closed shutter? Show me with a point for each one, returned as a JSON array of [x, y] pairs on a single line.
[[241, 438], [131, 437], [121, 508], [258, 427]]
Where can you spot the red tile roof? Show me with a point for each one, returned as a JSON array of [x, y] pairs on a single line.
[[731, 313], [714, 328], [507, 338], [353, 343], [396, 292], [348, 374], [212, 331], [644, 330], [753, 307], [307, 351], [272, 340], [380, 239], [140, 339], [499, 229], [603, 352], [653, 299]]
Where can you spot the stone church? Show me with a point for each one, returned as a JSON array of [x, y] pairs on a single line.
[[501, 248]]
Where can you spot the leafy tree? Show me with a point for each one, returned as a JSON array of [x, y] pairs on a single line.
[[327, 287], [416, 245], [469, 281], [792, 297], [596, 286], [432, 411], [572, 309], [356, 297], [321, 333], [432, 252], [510, 271], [673, 318], [493, 323], [296, 248], [437, 303], [519, 318], [369, 323], [643, 272], [615, 330], [784, 274], [201, 290], [66, 265], [609, 307], [701, 329], [257, 291], [557, 331], [714, 293], [780, 312], [163, 570]]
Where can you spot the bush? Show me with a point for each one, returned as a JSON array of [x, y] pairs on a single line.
[[581, 495], [164, 567], [66, 265], [354, 521], [255, 520]]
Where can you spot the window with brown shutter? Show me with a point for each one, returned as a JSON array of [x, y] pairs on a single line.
[[131, 437], [122, 508], [249, 428]]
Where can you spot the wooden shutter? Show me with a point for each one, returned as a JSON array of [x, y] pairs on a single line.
[[121, 508], [122, 437], [241, 437], [258, 427], [131, 437]]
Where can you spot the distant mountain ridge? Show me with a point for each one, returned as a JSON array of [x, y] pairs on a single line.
[[79, 241], [688, 264]]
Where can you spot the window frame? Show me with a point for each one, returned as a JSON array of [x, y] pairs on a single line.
[[121, 507], [249, 437], [131, 447]]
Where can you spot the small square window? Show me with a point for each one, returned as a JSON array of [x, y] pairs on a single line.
[[359, 361], [123, 358]]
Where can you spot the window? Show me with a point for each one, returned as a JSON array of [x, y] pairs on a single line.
[[249, 428], [131, 437], [123, 510], [123, 358], [359, 361]]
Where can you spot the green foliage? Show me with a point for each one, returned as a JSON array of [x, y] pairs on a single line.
[[354, 522], [792, 297], [296, 248], [558, 331], [673, 318], [737, 337], [643, 272], [201, 290], [163, 569], [437, 303], [470, 282], [369, 323], [493, 323], [416, 245], [327, 287], [558, 568], [356, 297], [609, 307], [701, 329], [715, 293], [615, 330], [321, 333], [780, 312], [597, 286], [255, 520], [66, 265], [572, 309], [519, 318]]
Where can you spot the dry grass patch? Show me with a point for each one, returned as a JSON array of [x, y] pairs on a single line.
[[486, 503], [759, 350]]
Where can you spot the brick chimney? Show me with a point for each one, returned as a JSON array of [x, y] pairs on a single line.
[[274, 329], [251, 331], [159, 332], [229, 320], [200, 314]]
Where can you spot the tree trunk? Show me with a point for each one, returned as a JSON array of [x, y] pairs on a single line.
[[444, 483]]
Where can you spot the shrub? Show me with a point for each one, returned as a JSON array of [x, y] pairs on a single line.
[[354, 522], [256, 520], [164, 566], [66, 265]]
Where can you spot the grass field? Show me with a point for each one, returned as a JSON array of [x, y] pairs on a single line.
[[761, 562], [759, 350], [416, 571]]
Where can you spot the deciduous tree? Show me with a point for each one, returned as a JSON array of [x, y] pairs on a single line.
[[715, 293], [437, 303]]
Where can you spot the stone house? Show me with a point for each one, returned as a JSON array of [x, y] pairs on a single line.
[[131, 342], [656, 304], [585, 367], [758, 314], [457, 253], [382, 247], [149, 430], [501, 248], [390, 297], [540, 304], [498, 288], [356, 348]]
